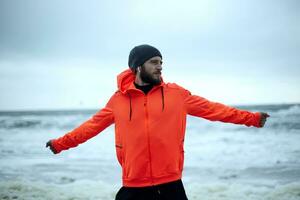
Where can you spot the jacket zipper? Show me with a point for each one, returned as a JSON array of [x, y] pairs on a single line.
[[148, 136]]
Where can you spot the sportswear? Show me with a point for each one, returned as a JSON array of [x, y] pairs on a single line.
[[150, 129]]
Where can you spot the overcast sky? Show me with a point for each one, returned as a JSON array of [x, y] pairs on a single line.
[[66, 54]]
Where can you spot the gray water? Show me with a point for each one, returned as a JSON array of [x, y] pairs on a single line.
[[222, 161]]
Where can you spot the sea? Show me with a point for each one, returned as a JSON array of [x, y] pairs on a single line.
[[222, 161]]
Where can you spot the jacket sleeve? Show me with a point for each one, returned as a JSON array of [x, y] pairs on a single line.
[[97, 123], [213, 111]]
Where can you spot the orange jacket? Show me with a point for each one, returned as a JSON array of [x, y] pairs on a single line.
[[150, 129]]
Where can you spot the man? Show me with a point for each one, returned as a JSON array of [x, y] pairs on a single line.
[[150, 121]]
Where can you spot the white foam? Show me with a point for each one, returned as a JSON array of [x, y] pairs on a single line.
[[237, 191], [85, 190], [219, 156], [295, 109], [79, 190]]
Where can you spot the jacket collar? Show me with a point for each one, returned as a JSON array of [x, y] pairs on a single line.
[[125, 81]]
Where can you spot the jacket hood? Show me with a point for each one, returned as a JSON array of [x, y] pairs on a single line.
[[125, 81]]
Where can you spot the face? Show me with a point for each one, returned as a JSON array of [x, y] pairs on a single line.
[[150, 71]]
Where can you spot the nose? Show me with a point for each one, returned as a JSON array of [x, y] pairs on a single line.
[[159, 66]]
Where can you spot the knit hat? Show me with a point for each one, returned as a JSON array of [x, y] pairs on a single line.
[[140, 54]]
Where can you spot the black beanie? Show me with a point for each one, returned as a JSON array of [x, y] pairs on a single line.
[[140, 54]]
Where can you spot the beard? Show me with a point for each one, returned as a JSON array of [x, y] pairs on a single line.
[[149, 78]]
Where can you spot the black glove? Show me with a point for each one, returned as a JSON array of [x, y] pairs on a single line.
[[49, 144]]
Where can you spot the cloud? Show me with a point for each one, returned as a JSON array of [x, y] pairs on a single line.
[[105, 29], [220, 40]]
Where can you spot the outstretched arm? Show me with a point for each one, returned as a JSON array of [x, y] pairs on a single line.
[[85, 131], [201, 107]]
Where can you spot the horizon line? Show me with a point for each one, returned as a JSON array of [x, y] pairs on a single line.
[[93, 109]]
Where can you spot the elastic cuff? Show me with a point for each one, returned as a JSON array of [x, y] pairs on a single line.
[[54, 147], [258, 119]]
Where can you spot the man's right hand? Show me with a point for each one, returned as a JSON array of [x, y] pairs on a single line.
[[49, 144], [263, 118]]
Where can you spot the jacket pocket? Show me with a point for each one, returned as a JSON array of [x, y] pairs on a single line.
[[181, 156], [120, 156]]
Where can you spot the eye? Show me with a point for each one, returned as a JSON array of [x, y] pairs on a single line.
[[156, 62]]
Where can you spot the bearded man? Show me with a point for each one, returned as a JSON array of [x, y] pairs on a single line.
[[150, 122]]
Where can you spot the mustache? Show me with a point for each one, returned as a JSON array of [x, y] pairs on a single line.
[[157, 72]]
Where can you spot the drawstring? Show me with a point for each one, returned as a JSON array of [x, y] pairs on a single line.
[[130, 111], [162, 100]]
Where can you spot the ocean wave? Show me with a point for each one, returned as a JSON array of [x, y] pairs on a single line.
[[293, 110], [38, 122], [80, 190], [287, 118], [32, 124], [283, 117], [19, 123], [43, 119], [238, 191], [85, 190], [276, 108]]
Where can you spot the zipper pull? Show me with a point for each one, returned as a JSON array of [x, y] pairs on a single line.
[[158, 191]]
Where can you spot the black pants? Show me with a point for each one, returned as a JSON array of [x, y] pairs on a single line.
[[168, 191]]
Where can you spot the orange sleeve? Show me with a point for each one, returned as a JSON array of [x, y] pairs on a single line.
[[97, 123], [201, 107]]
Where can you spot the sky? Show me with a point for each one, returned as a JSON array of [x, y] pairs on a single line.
[[66, 54]]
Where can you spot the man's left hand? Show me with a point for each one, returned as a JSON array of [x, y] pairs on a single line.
[[263, 118]]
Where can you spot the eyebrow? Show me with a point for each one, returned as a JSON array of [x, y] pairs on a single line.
[[156, 60]]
